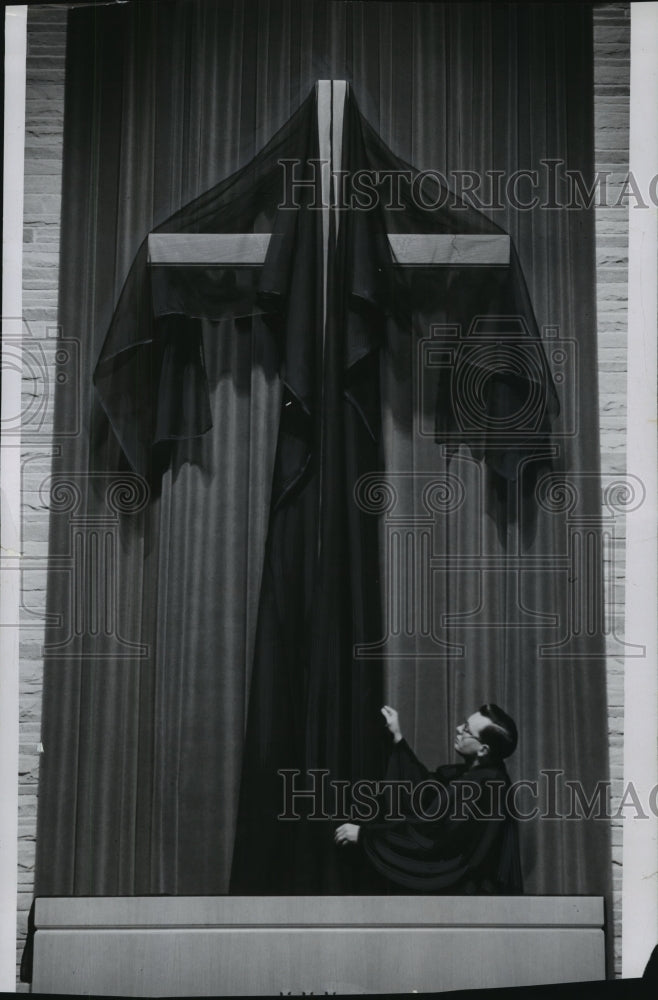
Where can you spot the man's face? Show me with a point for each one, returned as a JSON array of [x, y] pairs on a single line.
[[467, 742]]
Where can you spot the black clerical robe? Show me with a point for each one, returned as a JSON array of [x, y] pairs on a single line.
[[455, 837]]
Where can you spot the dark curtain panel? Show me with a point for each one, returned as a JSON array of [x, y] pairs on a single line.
[[145, 708]]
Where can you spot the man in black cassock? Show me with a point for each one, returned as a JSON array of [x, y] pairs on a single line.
[[453, 833]]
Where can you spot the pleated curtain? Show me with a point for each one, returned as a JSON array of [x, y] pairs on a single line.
[[142, 753]]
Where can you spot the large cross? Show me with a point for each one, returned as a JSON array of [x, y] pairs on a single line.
[[249, 249]]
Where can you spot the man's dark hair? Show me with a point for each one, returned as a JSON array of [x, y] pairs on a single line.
[[501, 734]]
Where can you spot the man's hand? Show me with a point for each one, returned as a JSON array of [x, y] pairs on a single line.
[[348, 833], [392, 722]]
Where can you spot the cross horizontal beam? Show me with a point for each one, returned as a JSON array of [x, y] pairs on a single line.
[[250, 249]]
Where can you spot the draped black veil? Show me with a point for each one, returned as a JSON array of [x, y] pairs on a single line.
[[313, 703]]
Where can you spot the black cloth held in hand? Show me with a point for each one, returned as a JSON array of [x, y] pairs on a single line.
[[457, 837]]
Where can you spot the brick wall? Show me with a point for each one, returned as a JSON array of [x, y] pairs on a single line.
[[43, 150], [43, 168], [611, 102]]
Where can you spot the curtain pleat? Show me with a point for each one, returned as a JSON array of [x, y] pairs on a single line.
[[141, 770]]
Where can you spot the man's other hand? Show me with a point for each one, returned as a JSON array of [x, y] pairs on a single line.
[[392, 722], [348, 833]]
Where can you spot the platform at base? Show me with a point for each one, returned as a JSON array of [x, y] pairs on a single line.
[[147, 946]]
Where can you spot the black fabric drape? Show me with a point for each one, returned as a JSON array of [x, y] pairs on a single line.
[[320, 595], [309, 706], [140, 777]]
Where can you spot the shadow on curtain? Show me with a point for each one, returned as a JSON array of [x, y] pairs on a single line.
[[144, 723]]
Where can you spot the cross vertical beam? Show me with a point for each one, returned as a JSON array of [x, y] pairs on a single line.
[[331, 96]]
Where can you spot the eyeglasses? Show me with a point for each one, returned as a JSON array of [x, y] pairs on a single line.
[[467, 729]]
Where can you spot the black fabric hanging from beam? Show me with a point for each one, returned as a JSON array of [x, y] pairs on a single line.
[[314, 705], [163, 99]]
